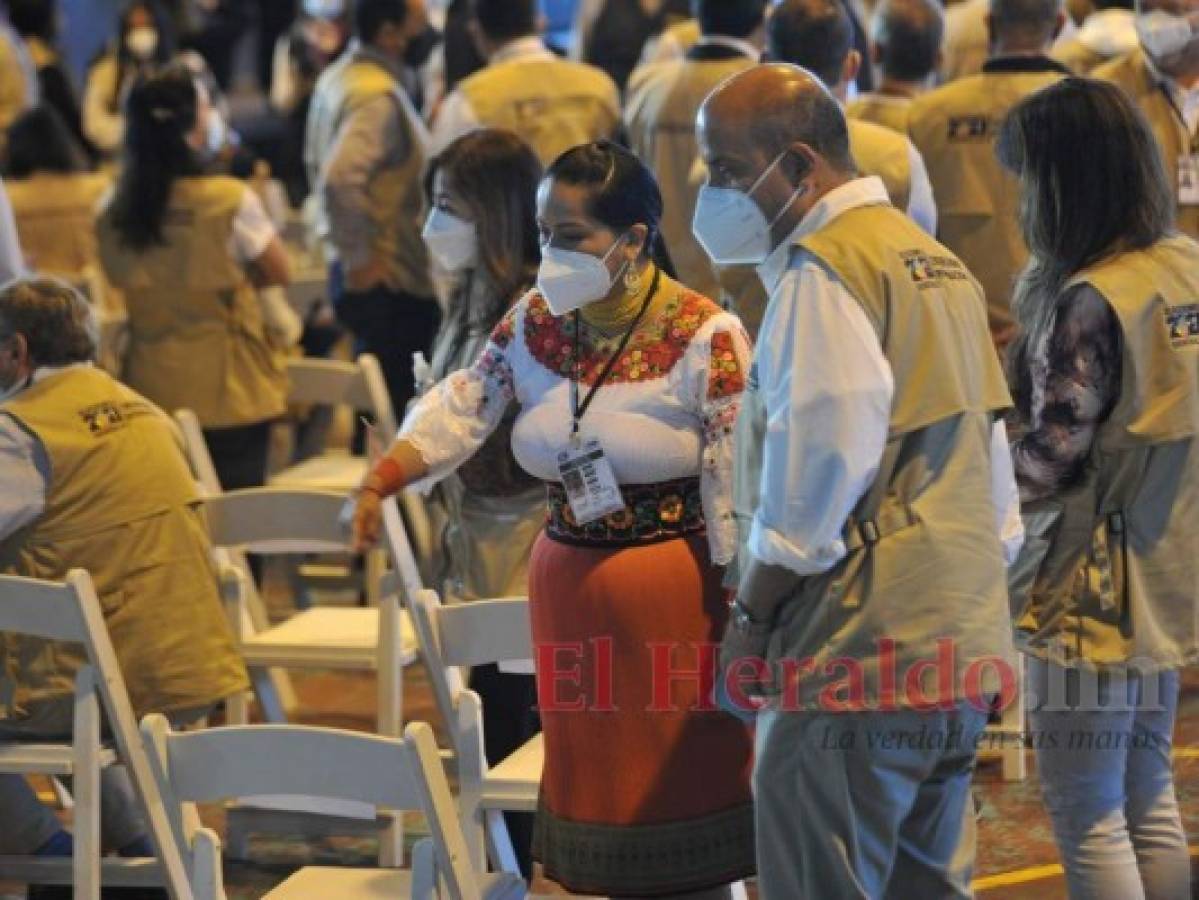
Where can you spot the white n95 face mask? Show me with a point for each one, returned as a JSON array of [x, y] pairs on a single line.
[[730, 226], [1163, 34], [569, 280], [453, 242]]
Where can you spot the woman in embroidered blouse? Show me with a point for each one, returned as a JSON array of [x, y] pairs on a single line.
[[645, 790]]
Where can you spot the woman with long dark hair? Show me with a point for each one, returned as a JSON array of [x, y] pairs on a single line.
[[482, 236], [1106, 375], [627, 385], [191, 252], [145, 38]]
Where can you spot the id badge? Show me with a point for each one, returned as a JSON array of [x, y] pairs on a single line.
[[591, 487], [1188, 180]]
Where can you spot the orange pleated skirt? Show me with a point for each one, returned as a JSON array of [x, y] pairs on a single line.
[[646, 789]]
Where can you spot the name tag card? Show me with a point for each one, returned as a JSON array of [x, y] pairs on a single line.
[[591, 487], [1188, 180]]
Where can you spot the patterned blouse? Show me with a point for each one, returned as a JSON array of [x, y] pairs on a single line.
[[1073, 384], [665, 413]]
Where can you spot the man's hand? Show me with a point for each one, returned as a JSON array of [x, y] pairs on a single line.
[[373, 274], [743, 671]]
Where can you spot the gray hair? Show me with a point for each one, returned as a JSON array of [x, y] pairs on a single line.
[[57, 322]]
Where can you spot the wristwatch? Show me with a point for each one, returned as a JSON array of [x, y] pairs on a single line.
[[743, 621]]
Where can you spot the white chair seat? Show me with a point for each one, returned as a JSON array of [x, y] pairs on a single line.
[[326, 636], [515, 782], [327, 472], [45, 759], [366, 884]]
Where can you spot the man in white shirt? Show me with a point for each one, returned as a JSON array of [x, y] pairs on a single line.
[[874, 484], [553, 104]]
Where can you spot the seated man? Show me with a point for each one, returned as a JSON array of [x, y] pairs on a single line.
[[92, 477]]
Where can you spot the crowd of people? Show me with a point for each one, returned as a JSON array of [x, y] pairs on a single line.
[[824, 373]]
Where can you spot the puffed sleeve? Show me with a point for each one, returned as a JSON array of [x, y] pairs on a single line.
[[457, 415], [724, 362]]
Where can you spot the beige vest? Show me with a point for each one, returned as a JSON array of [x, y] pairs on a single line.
[[1077, 56], [396, 195], [1110, 571], [1132, 74], [925, 560], [196, 335], [663, 100], [889, 112], [553, 104], [955, 128], [121, 504], [56, 215], [880, 151]]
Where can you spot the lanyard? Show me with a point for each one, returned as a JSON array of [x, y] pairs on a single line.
[[1192, 139], [577, 410]]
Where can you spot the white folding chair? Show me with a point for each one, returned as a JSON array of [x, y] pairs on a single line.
[[224, 763], [71, 612], [273, 686], [379, 639]]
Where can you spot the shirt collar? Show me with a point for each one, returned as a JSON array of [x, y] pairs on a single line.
[[743, 47], [869, 191], [41, 373], [528, 47], [366, 53], [1004, 65]]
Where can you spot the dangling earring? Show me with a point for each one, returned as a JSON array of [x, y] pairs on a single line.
[[632, 281]]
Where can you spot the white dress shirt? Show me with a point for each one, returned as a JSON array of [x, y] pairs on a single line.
[[828, 390], [456, 116], [922, 208]]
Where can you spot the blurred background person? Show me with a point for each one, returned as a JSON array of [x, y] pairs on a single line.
[[659, 116], [612, 34], [660, 371], [955, 128], [54, 196], [482, 234], [1108, 32], [37, 22], [906, 49], [1106, 381], [145, 38], [553, 104], [189, 250], [365, 151], [18, 76], [1162, 78], [818, 35]]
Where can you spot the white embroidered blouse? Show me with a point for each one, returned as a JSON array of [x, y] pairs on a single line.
[[666, 412]]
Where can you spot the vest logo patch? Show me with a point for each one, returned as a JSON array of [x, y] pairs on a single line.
[[102, 419], [968, 128], [1183, 322], [927, 271]]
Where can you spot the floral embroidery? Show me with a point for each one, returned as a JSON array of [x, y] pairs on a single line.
[[503, 333], [493, 367], [654, 350], [652, 512], [725, 375]]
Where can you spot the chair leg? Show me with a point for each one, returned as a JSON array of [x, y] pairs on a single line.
[[391, 841], [499, 842], [86, 785], [274, 709]]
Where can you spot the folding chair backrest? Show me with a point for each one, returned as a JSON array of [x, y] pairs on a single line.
[[71, 612], [482, 632], [44, 609], [330, 382], [278, 520], [196, 449]]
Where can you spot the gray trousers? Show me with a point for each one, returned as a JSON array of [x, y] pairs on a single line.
[[26, 823], [864, 806]]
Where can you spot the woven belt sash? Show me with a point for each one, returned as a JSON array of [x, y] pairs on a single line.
[[652, 513]]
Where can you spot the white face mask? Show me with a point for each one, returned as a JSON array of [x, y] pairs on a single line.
[[217, 133], [730, 226], [453, 242], [569, 280], [1162, 34], [142, 42]]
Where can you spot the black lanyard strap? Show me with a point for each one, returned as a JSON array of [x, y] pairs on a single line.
[[577, 410]]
